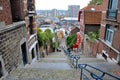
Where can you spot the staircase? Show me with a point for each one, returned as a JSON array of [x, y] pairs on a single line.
[[57, 66], [53, 67]]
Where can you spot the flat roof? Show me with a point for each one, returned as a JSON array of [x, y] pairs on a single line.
[[70, 18]]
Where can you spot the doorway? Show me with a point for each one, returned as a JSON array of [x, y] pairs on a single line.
[[33, 55], [1, 70], [24, 53]]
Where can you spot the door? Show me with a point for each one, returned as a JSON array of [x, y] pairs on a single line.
[[24, 53]]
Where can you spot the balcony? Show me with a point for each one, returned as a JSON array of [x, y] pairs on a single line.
[[112, 14], [32, 40]]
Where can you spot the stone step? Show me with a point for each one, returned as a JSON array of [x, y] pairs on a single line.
[[47, 74], [53, 60], [59, 66], [90, 60]]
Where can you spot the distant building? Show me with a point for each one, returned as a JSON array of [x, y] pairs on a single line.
[[74, 30], [18, 37], [73, 10], [54, 12], [69, 21]]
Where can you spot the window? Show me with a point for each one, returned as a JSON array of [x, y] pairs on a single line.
[[112, 9], [113, 4], [31, 25], [109, 34]]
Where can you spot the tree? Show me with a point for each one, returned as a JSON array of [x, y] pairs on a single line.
[[49, 34], [71, 40], [95, 2], [44, 37]]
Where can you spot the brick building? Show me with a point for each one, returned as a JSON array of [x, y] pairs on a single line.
[[90, 20], [110, 31], [18, 40]]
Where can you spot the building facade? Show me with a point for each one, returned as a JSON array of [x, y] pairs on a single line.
[[109, 45], [54, 12], [90, 21], [73, 10], [18, 40]]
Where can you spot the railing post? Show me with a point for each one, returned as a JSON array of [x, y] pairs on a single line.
[[81, 74]]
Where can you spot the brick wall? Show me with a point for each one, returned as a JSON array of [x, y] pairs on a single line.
[[94, 47], [112, 50], [92, 17], [5, 14], [10, 44], [116, 39], [11, 9], [102, 32], [17, 9]]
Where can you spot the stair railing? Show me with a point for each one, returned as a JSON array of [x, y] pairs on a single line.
[[100, 75]]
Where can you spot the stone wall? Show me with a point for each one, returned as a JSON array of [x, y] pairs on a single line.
[[10, 38]]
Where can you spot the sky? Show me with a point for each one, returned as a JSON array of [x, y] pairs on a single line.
[[59, 4]]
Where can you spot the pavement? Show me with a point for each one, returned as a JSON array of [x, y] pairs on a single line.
[[56, 66]]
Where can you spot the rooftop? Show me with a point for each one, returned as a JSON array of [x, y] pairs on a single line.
[[89, 8]]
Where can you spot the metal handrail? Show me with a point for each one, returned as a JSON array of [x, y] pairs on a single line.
[[112, 14], [73, 58], [93, 75]]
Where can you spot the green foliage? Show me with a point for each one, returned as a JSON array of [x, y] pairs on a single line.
[[54, 45], [44, 37], [49, 34], [97, 34], [39, 30], [71, 40], [95, 2], [93, 36]]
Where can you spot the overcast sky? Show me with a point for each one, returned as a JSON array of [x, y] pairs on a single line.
[[59, 4]]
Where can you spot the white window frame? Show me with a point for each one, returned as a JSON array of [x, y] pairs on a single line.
[[109, 35]]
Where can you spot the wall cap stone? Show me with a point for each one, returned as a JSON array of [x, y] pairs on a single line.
[[110, 46], [12, 26]]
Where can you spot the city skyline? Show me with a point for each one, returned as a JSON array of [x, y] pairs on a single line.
[[63, 4]]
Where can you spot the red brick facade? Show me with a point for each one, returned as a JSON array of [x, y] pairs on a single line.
[[91, 17], [113, 49], [5, 13], [90, 21]]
